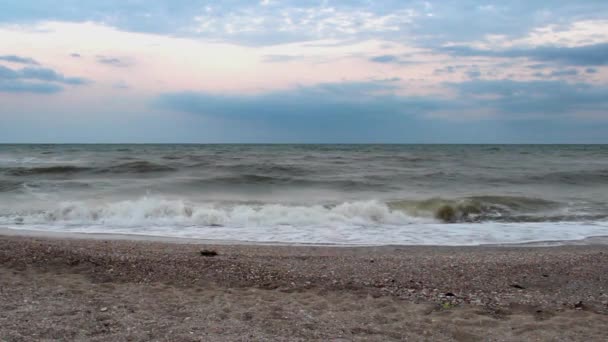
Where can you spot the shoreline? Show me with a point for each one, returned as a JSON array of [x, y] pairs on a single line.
[[5, 231], [107, 289]]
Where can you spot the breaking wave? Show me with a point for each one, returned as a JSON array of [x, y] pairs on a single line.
[[166, 212], [158, 211], [480, 208]]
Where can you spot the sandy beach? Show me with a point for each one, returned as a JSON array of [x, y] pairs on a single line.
[[126, 290]]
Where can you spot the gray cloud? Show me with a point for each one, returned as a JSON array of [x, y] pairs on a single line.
[[280, 58], [427, 22], [372, 111], [18, 59], [546, 98], [121, 85], [45, 80], [557, 73], [331, 112], [465, 20], [376, 99], [538, 66], [385, 59], [596, 54], [324, 100], [473, 73], [45, 74], [16, 86], [393, 59], [115, 61]]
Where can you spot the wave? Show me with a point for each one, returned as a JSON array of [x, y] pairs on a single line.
[[7, 186], [161, 211], [152, 211], [45, 170], [579, 177], [477, 208], [240, 181], [269, 169], [136, 167]]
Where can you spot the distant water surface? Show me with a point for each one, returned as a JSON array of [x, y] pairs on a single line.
[[343, 194]]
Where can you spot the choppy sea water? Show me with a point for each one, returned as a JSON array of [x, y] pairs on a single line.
[[337, 194]]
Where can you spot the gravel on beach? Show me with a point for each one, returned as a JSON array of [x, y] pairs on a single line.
[[92, 289]]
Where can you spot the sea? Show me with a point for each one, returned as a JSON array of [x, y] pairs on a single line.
[[310, 194]]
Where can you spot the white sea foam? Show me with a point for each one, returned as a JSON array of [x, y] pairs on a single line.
[[363, 222], [153, 211]]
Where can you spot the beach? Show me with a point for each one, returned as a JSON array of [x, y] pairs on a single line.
[[96, 289]]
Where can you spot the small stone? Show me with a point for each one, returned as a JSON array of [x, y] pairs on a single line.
[[208, 253], [104, 309]]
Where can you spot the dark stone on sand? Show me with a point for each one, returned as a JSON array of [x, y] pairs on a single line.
[[208, 253], [517, 286], [450, 294]]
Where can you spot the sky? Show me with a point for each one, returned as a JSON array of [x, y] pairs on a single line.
[[270, 71]]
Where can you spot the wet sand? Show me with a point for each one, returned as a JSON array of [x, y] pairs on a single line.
[[127, 290]]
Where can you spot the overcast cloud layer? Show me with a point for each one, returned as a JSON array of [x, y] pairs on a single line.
[[304, 71]]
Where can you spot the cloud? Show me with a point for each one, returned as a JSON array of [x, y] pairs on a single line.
[[392, 59], [16, 86], [540, 98], [247, 22], [470, 20], [385, 59], [473, 73], [49, 75], [322, 101], [537, 66], [329, 112], [489, 111], [586, 55], [376, 99], [46, 80], [120, 85], [557, 73], [18, 59], [115, 61], [448, 69], [280, 58]]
